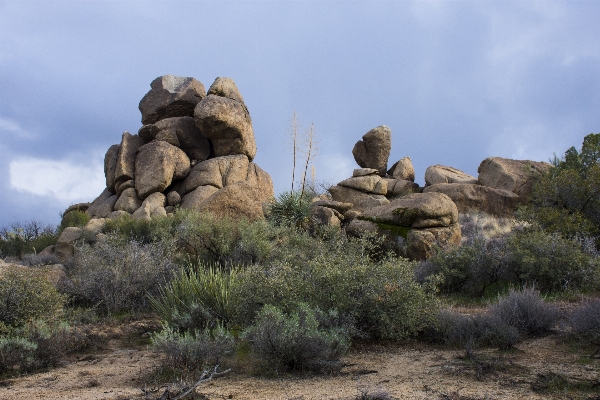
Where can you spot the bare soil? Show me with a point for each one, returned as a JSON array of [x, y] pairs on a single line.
[[120, 365]]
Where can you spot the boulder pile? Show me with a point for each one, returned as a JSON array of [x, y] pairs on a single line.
[[195, 150], [389, 202]]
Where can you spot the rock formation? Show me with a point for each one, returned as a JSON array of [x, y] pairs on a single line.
[[373, 150], [194, 151]]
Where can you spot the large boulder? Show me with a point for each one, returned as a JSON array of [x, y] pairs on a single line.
[[225, 121], [218, 172], [91, 210], [157, 165], [467, 197], [181, 132], [105, 208], [338, 206], [443, 174], [418, 210], [374, 149], [326, 216], [125, 167], [403, 169], [240, 200], [152, 206], [196, 197], [422, 243], [65, 245], [369, 184], [260, 179], [171, 96], [401, 187], [362, 201], [128, 201], [110, 166], [517, 176]]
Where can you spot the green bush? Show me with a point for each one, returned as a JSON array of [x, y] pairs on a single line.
[[550, 262], [30, 237], [145, 231], [294, 341], [196, 298], [380, 296], [75, 218], [194, 350], [116, 275], [27, 295]]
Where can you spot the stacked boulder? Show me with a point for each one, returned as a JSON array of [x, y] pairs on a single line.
[[389, 202], [194, 151]]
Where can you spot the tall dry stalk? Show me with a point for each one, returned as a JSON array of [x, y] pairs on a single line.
[[310, 153], [294, 133]]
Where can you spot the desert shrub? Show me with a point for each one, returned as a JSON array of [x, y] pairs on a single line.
[[551, 262], [526, 311], [115, 275], [193, 350], [32, 259], [27, 295], [75, 218], [294, 341], [30, 237], [381, 297], [292, 209], [470, 332], [196, 298], [145, 231], [585, 320]]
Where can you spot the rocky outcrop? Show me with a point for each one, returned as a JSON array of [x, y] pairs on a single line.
[[361, 201], [400, 187], [469, 197], [226, 121], [171, 96], [374, 149], [369, 184], [171, 162], [517, 176], [443, 174]]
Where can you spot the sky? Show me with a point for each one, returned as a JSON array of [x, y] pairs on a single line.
[[456, 81]]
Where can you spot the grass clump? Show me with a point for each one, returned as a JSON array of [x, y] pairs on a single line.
[[295, 341]]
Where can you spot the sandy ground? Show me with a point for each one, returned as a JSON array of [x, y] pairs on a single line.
[[119, 370]]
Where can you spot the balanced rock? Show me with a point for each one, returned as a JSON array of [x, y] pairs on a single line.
[[369, 184], [467, 197], [218, 172], [171, 96], [374, 149], [443, 174], [418, 210], [226, 121], [361, 201], [517, 176], [401, 187], [403, 169], [125, 168], [110, 166], [157, 165]]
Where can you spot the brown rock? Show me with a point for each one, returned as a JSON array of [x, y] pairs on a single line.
[[374, 149], [121, 186], [442, 174], [65, 245], [148, 132], [183, 133], [369, 184], [418, 210], [260, 179], [106, 207], [171, 96], [152, 206], [326, 216], [157, 165], [400, 187], [361, 200], [227, 124], [95, 225], [365, 172], [91, 211], [403, 169], [336, 205], [218, 172], [125, 168], [173, 198], [225, 87], [517, 176], [195, 198], [240, 200], [110, 166], [500, 203], [421, 243], [128, 201]]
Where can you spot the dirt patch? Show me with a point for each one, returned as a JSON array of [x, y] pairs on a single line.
[[538, 369]]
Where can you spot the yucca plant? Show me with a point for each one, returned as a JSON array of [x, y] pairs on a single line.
[[292, 209], [198, 297]]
